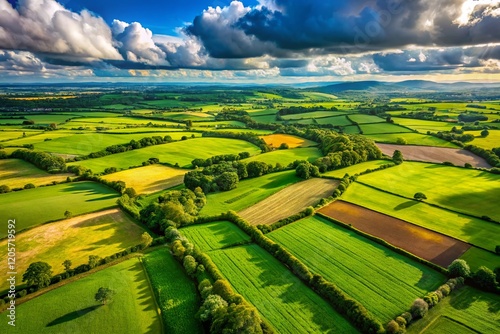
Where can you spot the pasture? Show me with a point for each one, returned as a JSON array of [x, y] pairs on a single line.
[[16, 173], [411, 138], [364, 119], [149, 179], [33, 207], [215, 235], [313, 114], [357, 168], [385, 282], [489, 142], [477, 257], [476, 193], [288, 156], [374, 128], [336, 121], [102, 233], [248, 193], [175, 292], [473, 230], [289, 201], [292, 141], [424, 125], [181, 152], [72, 308], [279, 296]]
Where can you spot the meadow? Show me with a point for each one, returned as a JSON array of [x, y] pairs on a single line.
[[287, 156], [424, 125], [72, 308], [247, 193], [33, 207], [181, 152], [358, 168], [17, 173], [383, 281], [489, 142], [411, 138], [365, 119], [473, 230], [215, 235], [476, 257], [279, 296], [176, 293], [476, 193], [313, 114], [374, 128], [336, 120]]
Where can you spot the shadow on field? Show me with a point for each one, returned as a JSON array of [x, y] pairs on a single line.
[[405, 205], [72, 316]]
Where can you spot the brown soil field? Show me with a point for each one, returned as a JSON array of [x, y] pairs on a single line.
[[426, 244], [435, 154], [276, 140], [289, 201]]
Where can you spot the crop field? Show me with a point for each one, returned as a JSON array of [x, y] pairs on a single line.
[[466, 310], [215, 235], [9, 135], [383, 281], [411, 138], [489, 142], [17, 173], [435, 154], [466, 228], [38, 138], [102, 233], [181, 152], [292, 141], [271, 118], [364, 119], [314, 114], [147, 131], [279, 296], [424, 243], [424, 125], [374, 128], [176, 293], [337, 121], [477, 257], [357, 168], [149, 179], [476, 193], [74, 310], [288, 156], [33, 207], [289, 201], [248, 193]]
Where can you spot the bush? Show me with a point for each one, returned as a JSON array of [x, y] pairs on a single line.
[[4, 189], [29, 186], [419, 308], [485, 279], [392, 327], [459, 268], [407, 316], [419, 196], [444, 289]]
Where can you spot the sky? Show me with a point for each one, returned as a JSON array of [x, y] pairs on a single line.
[[258, 41]]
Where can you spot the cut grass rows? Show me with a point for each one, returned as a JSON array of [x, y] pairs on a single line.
[[215, 235]]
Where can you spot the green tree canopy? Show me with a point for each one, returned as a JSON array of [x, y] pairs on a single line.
[[38, 274]]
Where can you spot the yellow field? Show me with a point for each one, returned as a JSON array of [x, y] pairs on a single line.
[[491, 141], [102, 233], [292, 141], [37, 98], [149, 179], [17, 173]]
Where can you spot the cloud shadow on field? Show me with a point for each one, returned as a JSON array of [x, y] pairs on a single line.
[[72, 315]]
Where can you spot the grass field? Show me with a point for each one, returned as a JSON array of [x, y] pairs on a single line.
[[17, 173], [149, 179], [72, 308], [475, 231], [292, 141], [215, 235], [362, 118], [423, 125], [285, 157], [38, 138], [313, 114], [337, 120], [412, 139], [279, 296], [182, 152], [477, 257], [370, 129], [385, 282], [466, 310], [489, 142], [476, 193], [36, 206], [358, 168], [248, 193], [176, 293], [102, 233]]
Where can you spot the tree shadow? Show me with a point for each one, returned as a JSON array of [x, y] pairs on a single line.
[[405, 205], [72, 315]]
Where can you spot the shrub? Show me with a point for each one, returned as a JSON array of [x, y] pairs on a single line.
[[419, 308], [459, 268], [29, 186], [444, 289], [401, 321], [485, 279], [4, 189], [190, 265], [407, 316], [419, 196]]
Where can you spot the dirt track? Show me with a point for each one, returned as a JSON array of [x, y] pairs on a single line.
[[435, 154], [429, 245], [289, 201]]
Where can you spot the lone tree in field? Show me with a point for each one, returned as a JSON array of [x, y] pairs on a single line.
[[485, 133], [38, 274], [67, 264], [104, 295], [68, 214], [397, 157], [459, 268], [419, 196]]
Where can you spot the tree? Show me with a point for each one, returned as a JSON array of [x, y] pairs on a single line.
[[130, 192], [459, 268], [211, 306], [29, 186], [397, 157], [419, 308], [104, 295], [239, 318], [190, 265], [146, 239], [4, 189], [68, 214], [283, 146], [67, 264], [485, 133], [401, 141], [485, 278], [93, 261], [38, 274], [419, 196], [227, 181]]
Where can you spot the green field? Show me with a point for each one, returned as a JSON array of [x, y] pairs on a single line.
[[313, 114], [477, 257], [412, 139], [383, 281], [337, 121], [489, 142], [176, 293], [265, 118], [38, 138], [216, 235], [36, 206], [363, 119], [466, 310], [279, 296], [285, 157], [181, 152], [476, 193], [475, 231], [370, 129], [16, 173], [423, 125], [72, 308], [248, 192], [358, 168]]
